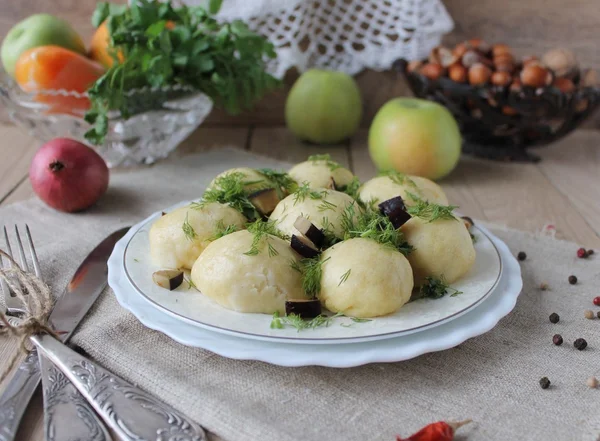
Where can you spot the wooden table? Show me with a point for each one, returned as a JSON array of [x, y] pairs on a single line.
[[563, 189]]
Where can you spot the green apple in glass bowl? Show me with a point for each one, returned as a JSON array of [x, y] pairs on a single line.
[[416, 137], [323, 107]]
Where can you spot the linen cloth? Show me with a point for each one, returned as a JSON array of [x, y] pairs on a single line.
[[492, 379]]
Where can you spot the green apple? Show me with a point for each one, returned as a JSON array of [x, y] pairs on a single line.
[[38, 30], [416, 137], [323, 107]]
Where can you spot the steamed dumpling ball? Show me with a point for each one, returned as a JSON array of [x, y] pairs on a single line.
[[383, 188], [443, 248], [258, 282], [363, 278], [179, 237], [319, 172], [327, 209], [252, 179]]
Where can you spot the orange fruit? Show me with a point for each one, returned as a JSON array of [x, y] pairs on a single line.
[[100, 49]]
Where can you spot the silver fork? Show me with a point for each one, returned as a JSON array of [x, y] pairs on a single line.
[[76, 416]]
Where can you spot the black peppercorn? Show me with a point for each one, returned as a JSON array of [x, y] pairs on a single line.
[[590, 252], [580, 344], [557, 339], [554, 317], [598, 314], [544, 382], [572, 280], [521, 256]]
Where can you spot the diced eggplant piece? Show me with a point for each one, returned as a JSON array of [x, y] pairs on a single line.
[[468, 222], [305, 308], [168, 279], [304, 247], [265, 200], [395, 210], [331, 185], [309, 230]]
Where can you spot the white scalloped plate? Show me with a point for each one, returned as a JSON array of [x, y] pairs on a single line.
[[193, 308], [471, 324]]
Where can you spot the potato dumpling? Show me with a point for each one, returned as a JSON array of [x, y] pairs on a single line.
[[171, 247], [363, 278], [318, 173], [327, 209], [443, 248], [382, 188], [259, 283], [254, 180]]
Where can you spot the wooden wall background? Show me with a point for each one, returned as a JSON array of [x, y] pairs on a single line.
[[530, 26]]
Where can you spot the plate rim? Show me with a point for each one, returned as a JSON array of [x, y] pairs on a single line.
[[300, 340]]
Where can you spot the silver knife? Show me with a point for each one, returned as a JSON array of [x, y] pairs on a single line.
[[88, 282]]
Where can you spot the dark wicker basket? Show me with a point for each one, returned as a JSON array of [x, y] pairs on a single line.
[[541, 116]]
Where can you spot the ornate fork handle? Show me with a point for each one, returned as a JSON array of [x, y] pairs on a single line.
[[16, 396], [131, 413]]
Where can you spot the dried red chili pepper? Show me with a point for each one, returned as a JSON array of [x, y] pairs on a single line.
[[440, 431]]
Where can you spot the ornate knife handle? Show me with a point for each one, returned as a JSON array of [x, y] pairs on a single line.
[[130, 412], [16, 396]]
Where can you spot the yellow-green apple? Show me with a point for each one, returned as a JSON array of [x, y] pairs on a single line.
[[38, 30], [416, 137], [323, 106]]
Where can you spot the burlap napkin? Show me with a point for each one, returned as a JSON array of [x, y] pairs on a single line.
[[492, 379]]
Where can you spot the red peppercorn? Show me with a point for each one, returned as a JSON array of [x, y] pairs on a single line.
[[440, 431], [582, 253], [597, 301]]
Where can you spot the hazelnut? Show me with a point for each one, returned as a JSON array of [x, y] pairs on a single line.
[[414, 65], [529, 60], [470, 58], [565, 85], [561, 61], [590, 78], [459, 50], [500, 49], [479, 74], [479, 44], [535, 75], [504, 59], [442, 55], [501, 78], [510, 111], [458, 73], [432, 71]]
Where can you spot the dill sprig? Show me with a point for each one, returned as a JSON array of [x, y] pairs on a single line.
[[304, 191], [435, 288], [352, 188], [230, 189], [325, 158], [398, 178], [373, 225], [326, 205], [187, 228], [330, 238], [263, 230], [430, 211], [284, 184], [311, 270], [295, 321], [223, 230], [345, 276]]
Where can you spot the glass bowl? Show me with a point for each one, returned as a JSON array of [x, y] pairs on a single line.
[[165, 117], [500, 124]]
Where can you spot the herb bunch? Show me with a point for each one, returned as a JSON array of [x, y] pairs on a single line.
[[430, 211], [371, 224], [304, 191], [284, 184], [163, 46], [435, 288], [398, 178], [230, 189], [261, 230], [311, 270]]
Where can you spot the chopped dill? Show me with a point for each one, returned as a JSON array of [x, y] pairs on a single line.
[[326, 205], [311, 270], [398, 178], [473, 237], [284, 184], [262, 230], [360, 320], [325, 158], [190, 284], [136, 260], [344, 277], [373, 225], [352, 188], [435, 288], [231, 190], [304, 191], [223, 230], [295, 321], [330, 238], [188, 230], [430, 211]]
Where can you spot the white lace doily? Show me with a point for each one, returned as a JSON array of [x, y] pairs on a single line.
[[344, 35]]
